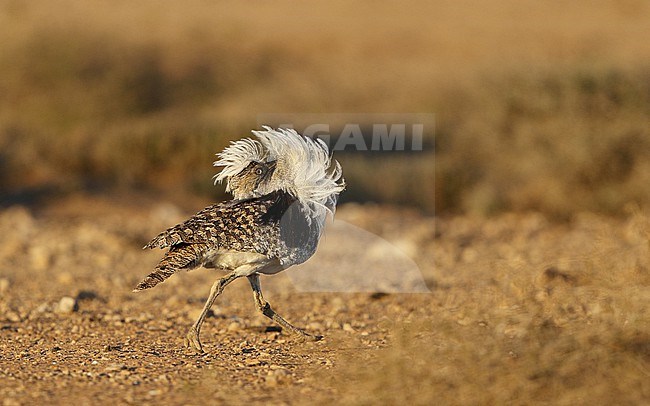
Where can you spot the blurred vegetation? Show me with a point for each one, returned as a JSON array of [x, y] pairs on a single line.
[[142, 95], [557, 142]]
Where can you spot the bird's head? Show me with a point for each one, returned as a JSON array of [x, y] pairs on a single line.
[[254, 178], [245, 165], [281, 159]]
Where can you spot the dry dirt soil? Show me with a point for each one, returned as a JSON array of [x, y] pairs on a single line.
[[520, 311]]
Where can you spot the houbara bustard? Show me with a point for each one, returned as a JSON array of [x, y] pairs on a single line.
[[283, 186]]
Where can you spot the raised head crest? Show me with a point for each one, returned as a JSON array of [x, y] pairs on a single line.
[[237, 156], [303, 166]]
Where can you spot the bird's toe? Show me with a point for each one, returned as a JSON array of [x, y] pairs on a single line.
[[192, 341], [303, 336]]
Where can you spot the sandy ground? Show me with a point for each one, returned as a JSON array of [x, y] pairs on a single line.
[[519, 310]]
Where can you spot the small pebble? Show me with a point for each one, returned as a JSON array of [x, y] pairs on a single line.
[[348, 327], [42, 308], [13, 316], [67, 304]]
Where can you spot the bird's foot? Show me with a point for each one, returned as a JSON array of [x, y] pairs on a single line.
[[192, 341], [305, 336]]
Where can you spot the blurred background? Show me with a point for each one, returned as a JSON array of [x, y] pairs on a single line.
[[538, 106]]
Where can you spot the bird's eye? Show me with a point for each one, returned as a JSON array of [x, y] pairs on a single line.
[[259, 171]]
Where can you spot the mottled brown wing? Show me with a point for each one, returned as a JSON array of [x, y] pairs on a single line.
[[240, 225], [198, 229]]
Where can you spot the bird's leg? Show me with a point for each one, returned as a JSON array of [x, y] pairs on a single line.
[[192, 338], [266, 310]]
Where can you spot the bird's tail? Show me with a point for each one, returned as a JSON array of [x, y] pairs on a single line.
[[181, 257]]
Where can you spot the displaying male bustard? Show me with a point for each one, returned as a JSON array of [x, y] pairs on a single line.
[[283, 187]]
